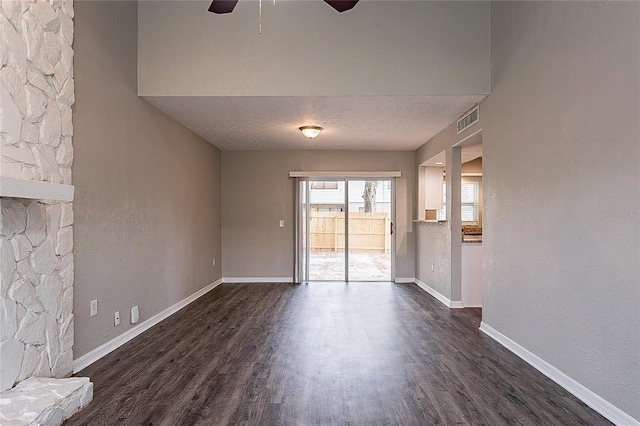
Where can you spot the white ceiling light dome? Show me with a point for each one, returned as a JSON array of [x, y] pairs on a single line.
[[311, 131]]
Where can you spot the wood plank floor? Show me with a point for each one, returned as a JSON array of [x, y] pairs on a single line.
[[322, 354]]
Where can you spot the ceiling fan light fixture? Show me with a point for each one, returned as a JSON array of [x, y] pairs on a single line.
[[226, 6], [311, 131]]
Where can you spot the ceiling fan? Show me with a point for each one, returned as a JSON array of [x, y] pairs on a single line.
[[227, 6]]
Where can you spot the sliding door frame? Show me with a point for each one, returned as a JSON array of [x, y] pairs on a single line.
[[346, 229], [302, 222]]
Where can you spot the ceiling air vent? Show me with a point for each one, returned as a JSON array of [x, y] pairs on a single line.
[[469, 119]]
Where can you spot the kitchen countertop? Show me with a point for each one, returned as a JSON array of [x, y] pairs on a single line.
[[472, 238]]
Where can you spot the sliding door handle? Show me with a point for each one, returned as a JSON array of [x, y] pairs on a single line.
[[391, 223]]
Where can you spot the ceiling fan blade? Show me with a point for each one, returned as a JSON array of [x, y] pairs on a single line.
[[222, 6], [341, 5]]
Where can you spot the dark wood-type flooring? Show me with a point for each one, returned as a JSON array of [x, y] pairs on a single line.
[[322, 354]]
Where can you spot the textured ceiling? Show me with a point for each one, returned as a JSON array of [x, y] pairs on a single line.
[[350, 123]]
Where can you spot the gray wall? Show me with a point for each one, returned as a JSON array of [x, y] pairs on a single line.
[[306, 49], [433, 247], [147, 206], [257, 192], [562, 189], [430, 246]]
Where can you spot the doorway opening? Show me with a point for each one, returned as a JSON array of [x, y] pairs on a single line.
[[345, 229], [471, 219]]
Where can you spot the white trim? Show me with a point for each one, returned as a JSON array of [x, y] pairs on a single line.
[[257, 280], [441, 297], [399, 280], [35, 189], [89, 358], [467, 139], [599, 404], [343, 174]]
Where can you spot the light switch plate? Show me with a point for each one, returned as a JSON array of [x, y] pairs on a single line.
[[281, 223]]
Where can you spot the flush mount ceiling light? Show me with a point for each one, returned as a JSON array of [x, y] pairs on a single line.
[[311, 131]]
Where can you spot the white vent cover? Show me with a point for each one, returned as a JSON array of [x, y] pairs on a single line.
[[469, 119]]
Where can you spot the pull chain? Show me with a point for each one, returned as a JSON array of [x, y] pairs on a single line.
[[260, 24], [260, 19]]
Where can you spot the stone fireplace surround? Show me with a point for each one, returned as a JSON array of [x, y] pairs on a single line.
[[36, 219]]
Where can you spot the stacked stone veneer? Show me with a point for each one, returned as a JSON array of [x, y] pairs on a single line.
[[36, 237], [36, 301], [38, 401], [37, 89]]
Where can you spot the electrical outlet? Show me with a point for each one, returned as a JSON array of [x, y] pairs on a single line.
[[116, 318], [432, 267], [94, 308], [214, 261], [281, 223], [135, 315]]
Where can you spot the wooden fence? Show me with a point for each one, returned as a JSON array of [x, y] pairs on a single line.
[[367, 231]]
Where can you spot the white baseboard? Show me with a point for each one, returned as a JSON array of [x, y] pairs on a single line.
[[89, 358], [599, 404], [257, 280], [441, 297], [399, 280]]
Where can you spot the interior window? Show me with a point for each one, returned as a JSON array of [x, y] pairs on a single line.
[[470, 202], [469, 199]]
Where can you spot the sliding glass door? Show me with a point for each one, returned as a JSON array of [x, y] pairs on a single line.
[[344, 229], [326, 230], [369, 231]]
